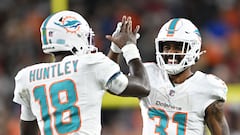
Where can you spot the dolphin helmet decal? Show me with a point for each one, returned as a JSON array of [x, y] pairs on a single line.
[[69, 23], [67, 31]]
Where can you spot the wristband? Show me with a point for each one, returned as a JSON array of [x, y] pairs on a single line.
[[115, 48], [130, 51]]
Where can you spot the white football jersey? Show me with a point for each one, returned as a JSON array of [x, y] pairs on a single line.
[[179, 109], [65, 97]]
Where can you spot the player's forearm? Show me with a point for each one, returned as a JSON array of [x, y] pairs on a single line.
[[113, 56], [225, 128], [136, 68], [216, 120], [139, 73], [29, 127], [221, 129]]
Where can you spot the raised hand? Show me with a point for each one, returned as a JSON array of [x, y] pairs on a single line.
[[125, 35]]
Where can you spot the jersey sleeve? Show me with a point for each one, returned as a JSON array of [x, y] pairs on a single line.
[[106, 71], [21, 94], [217, 90], [26, 114], [218, 86]]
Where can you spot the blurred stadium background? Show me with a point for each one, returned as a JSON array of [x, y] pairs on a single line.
[[218, 21]]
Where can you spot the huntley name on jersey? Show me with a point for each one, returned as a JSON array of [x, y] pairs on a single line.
[[53, 71]]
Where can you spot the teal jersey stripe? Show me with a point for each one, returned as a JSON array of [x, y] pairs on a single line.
[[172, 26], [44, 33]]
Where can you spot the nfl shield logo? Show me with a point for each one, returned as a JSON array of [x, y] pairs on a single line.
[[50, 34], [172, 93]]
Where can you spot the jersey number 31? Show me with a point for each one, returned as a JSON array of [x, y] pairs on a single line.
[[179, 118]]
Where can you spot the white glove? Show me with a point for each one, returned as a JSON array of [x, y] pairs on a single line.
[[113, 46]]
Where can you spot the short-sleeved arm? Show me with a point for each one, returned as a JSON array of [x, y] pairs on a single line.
[[21, 94], [111, 77], [107, 70], [217, 90], [218, 86], [26, 114]]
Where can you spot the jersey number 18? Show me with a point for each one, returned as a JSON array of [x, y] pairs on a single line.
[[61, 123]]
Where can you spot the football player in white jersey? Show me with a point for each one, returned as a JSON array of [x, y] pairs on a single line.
[[64, 97], [180, 102]]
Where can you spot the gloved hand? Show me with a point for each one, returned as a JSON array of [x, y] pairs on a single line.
[[113, 46]]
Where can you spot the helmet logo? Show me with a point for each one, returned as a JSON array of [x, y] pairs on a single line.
[[197, 32], [69, 23], [172, 27]]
